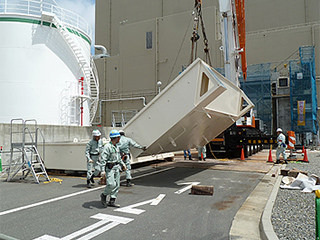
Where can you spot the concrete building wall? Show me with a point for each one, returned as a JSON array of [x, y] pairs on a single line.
[[275, 29]]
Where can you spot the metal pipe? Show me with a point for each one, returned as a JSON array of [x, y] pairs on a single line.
[[157, 53], [118, 99], [101, 55], [312, 35]]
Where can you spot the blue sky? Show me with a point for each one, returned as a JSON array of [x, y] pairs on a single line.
[[84, 8]]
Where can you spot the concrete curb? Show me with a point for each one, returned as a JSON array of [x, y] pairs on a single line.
[[246, 222], [265, 225]]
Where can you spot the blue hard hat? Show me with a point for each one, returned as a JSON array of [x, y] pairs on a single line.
[[114, 134]]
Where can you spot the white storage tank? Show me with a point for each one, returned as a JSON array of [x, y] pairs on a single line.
[[46, 68]]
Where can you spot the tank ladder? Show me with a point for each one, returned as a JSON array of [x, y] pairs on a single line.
[[25, 156], [87, 66]]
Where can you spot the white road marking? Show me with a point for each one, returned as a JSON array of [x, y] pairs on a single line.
[[158, 199], [69, 195], [99, 231], [187, 187], [48, 201], [47, 237], [105, 218], [131, 208]]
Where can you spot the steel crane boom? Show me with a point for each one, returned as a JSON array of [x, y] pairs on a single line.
[[233, 38]]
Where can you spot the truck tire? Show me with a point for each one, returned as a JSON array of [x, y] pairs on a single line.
[[247, 151]]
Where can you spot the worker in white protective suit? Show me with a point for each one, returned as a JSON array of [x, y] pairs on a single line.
[[281, 140], [202, 153], [111, 157], [93, 151], [124, 146]]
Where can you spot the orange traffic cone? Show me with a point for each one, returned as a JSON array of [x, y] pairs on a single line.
[[242, 154], [303, 149], [270, 157], [305, 156]]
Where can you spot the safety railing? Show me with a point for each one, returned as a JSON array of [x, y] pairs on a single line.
[[36, 7]]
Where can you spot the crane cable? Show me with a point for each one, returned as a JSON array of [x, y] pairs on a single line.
[[205, 40], [175, 61], [195, 36]]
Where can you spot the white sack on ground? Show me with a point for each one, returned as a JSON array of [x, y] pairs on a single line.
[[302, 182]]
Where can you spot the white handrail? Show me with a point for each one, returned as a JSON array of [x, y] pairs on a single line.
[[36, 7]]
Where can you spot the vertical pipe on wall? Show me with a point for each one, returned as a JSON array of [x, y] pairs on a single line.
[[105, 92], [156, 54], [162, 8], [110, 24], [312, 35], [306, 16]]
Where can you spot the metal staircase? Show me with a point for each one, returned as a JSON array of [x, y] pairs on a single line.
[[25, 156], [87, 66], [68, 105]]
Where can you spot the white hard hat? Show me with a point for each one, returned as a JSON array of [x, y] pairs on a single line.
[[96, 133], [279, 130], [121, 131]]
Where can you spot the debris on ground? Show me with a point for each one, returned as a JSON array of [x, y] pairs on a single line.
[[301, 182], [202, 190], [293, 172]]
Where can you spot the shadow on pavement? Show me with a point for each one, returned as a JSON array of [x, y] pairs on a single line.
[[93, 204]]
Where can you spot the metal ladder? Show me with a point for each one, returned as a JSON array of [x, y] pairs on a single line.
[[25, 156], [87, 67]]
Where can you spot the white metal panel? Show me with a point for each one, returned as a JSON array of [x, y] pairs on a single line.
[[180, 117], [71, 156]]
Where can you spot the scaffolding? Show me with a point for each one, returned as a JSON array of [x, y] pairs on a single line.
[[303, 92], [257, 87]]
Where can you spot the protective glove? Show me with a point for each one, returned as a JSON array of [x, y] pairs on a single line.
[[90, 161], [124, 167], [144, 148]]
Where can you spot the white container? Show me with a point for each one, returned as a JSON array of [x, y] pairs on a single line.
[[71, 156], [195, 108]]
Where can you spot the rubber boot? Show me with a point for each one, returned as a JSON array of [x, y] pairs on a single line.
[[204, 159], [103, 199], [88, 184], [285, 161], [200, 159], [112, 203], [278, 162], [185, 158], [190, 158], [129, 183], [91, 179]]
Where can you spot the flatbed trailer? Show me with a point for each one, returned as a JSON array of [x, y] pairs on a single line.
[[235, 138]]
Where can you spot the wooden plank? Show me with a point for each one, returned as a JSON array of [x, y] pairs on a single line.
[[202, 190]]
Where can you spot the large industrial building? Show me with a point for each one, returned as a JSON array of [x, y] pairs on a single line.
[[149, 45]]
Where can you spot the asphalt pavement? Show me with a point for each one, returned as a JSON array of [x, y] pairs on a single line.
[[159, 206]]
